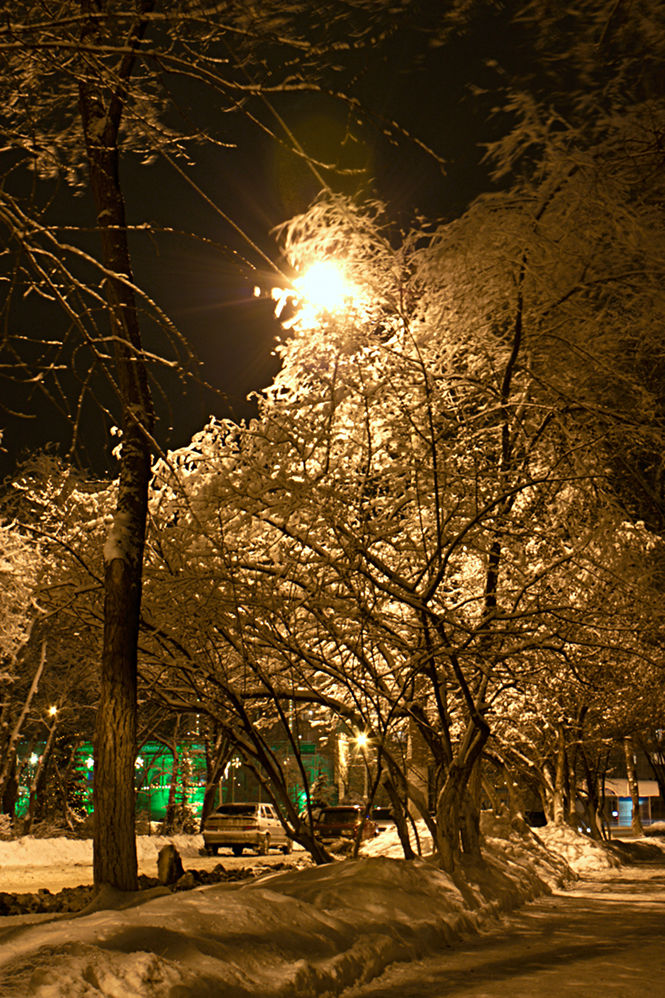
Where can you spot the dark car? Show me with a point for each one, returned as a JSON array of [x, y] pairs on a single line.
[[343, 822], [382, 818], [316, 813]]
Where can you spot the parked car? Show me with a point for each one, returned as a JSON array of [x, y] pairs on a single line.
[[316, 813], [382, 818], [343, 822], [238, 826]]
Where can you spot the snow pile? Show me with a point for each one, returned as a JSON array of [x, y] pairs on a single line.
[[297, 933], [582, 854], [33, 852], [29, 851], [387, 842]]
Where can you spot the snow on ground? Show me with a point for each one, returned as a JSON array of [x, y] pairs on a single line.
[[33, 852], [583, 855], [304, 932]]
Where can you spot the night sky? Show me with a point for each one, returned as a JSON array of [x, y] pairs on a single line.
[[206, 284]]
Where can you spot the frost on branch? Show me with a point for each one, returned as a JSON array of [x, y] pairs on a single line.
[[119, 542], [20, 567]]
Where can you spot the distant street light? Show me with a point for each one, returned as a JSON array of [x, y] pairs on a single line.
[[362, 741]]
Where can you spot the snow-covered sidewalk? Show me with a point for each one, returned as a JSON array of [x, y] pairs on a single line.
[[604, 938], [304, 932]]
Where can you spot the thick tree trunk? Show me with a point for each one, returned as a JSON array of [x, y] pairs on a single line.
[[559, 795], [515, 792], [470, 815], [451, 801], [448, 819], [633, 786], [114, 847], [114, 854]]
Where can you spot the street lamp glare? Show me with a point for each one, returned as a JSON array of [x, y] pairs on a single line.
[[361, 740], [323, 286], [53, 710]]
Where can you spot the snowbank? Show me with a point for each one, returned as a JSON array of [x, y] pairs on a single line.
[[33, 852], [581, 853], [297, 933]]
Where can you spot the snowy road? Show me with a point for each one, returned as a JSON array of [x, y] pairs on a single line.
[[605, 939]]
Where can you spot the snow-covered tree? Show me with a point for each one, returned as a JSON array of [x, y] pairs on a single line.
[[86, 87], [411, 523], [20, 570]]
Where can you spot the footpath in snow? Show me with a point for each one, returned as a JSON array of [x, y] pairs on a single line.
[[304, 932], [605, 938]]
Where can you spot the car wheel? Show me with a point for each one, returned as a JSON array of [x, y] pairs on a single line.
[[287, 847], [237, 850], [213, 850], [264, 845]]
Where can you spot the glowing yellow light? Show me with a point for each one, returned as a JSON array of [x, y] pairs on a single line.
[[324, 286], [53, 711], [362, 740]]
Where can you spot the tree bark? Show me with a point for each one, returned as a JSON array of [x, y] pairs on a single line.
[[452, 798], [169, 817], [633, 786], [114, 852], [559, 795], [215, 763], [398, 803], [470, 815], [38, 782], [654, 755], [9, 748]]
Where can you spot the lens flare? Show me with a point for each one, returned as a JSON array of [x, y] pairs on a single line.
[[323, 286]]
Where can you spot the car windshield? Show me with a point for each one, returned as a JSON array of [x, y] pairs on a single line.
[[237, 810], [339, 816]]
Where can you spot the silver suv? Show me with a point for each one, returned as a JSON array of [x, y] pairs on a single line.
[[239, 825]]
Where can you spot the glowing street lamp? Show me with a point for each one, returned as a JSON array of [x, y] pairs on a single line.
[[53, 710], [324, 287], [362, 741]]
